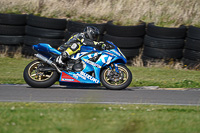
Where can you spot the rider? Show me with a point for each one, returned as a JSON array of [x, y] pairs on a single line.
[[88, 37]]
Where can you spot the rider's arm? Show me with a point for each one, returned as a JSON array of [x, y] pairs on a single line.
[[72, 39]]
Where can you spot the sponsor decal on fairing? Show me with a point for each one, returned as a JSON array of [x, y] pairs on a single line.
[[79, 75], [89, 77], [65, 77], [92, 63]]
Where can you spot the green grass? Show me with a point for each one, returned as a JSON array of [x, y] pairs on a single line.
[[11, 72], [93, 118], [165, 77]]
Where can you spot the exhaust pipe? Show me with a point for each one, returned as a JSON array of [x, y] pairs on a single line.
[[41, 57]]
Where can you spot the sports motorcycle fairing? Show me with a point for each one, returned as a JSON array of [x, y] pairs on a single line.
[[89, 66]]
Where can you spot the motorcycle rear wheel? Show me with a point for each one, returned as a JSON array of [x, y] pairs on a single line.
[[116, 81], [39, 79]]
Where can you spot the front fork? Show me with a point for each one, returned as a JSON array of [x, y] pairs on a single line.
[[114, 67]]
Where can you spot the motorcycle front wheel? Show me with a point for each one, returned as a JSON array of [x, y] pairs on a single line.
[[116, 80], [39, 79]]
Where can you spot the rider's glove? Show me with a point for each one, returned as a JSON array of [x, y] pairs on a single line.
[[102, 45]]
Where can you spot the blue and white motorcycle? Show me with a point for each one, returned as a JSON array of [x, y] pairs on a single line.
[[89, 66]]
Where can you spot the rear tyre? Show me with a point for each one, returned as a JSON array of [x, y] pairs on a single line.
[[116, 81], [39, 79]]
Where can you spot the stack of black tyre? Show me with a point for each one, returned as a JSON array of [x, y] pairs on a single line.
[[191, 56], [43, 30], [128, 38], [77, 27], [12, 30], [163, 44]]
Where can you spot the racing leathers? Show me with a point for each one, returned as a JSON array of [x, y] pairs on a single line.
[[73, 45]]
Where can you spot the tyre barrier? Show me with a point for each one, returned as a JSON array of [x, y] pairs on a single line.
[[12, 31], [165, 32], [125, 31], [13, 19], [159, 53], [129, 46], [130, 52], [47, 23], [76, 27], [27, 51], [43, 30], [44, 33], [193, 32], [128, 38], [31, 40], [160, 43], [191, 54], [163, 44], [68, 34], [124, 42]]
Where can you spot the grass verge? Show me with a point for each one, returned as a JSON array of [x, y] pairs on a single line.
[[93, 118], [165, 77], [11, 72]]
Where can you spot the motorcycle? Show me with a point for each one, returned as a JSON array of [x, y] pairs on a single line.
[[89, 66]]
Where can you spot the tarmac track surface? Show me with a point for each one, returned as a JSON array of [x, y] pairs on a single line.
[[134, 95]]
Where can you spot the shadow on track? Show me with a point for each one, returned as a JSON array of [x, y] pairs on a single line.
[[85, 87]]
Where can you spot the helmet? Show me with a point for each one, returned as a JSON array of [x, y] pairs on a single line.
[[91, 32]]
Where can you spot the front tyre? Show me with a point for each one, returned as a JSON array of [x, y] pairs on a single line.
[[39, 79], [116, 81]]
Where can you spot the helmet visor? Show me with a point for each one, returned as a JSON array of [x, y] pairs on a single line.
[[95, 37]]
